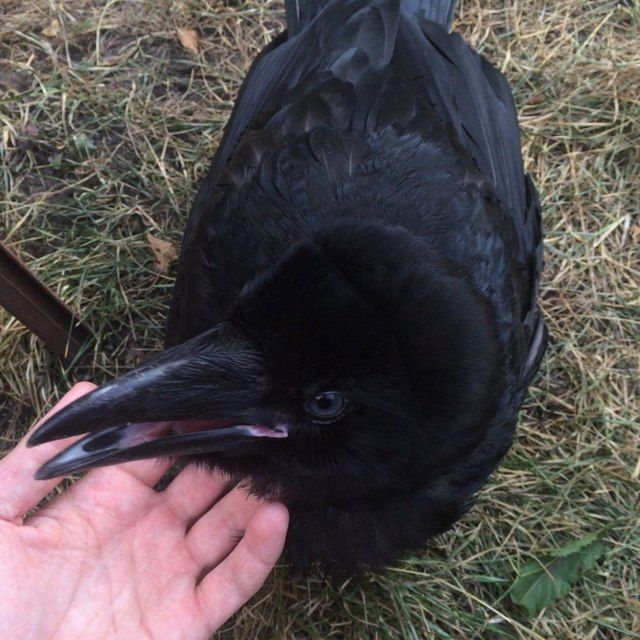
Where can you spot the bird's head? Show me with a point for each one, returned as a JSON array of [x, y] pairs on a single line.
[[360, 363]]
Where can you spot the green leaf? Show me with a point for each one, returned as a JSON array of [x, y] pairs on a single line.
[[84, 143], [545, 580], [56, 161]]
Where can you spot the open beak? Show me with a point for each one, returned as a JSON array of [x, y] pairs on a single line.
[[205, 395]]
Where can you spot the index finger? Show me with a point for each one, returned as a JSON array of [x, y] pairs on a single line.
[[19, 491]]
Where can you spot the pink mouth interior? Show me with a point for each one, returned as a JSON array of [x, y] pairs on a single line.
[[141, 432], [191, 426]]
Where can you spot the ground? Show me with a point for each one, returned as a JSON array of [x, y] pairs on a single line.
[[107, 123]]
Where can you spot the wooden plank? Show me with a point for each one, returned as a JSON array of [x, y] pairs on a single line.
[[39, 309]]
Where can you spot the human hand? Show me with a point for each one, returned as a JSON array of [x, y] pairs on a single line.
[[112, 558]]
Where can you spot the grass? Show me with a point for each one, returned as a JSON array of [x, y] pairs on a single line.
[[105, 129]]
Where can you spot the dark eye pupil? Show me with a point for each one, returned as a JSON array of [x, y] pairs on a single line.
[[325, 401]]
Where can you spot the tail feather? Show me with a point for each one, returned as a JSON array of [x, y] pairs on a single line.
[[301, 12], [438, 11]]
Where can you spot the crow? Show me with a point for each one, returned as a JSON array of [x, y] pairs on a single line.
[[355, 320]]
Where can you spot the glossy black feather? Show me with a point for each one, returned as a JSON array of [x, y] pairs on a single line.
[[376, 158]]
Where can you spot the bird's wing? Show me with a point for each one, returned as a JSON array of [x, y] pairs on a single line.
[[475, 99], [350, 32], [262, 81], [349, 39]]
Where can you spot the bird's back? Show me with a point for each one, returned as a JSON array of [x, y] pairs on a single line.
[[369, 110]]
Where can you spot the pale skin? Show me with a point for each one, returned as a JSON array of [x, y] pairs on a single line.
[[112, 558]]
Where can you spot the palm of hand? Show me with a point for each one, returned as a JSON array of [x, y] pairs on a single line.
[[111, 557]]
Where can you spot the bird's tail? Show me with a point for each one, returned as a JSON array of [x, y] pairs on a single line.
[[439, 11], [301, 12]]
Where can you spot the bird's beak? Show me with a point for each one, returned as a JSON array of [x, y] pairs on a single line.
[[205, 395]]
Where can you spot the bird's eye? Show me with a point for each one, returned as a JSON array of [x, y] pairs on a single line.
[[326, 406]]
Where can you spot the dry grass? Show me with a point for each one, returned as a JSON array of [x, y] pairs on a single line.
[[105, 130]]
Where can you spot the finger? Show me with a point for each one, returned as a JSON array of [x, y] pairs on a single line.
[[19, 492], [214, 535], [194, 491], [227, 587], [147, 472]]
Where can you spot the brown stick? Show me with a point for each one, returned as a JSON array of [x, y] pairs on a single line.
[[39, 309]]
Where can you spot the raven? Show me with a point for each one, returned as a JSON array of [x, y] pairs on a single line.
[[355, 320]]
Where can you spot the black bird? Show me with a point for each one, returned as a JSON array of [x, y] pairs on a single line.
[[355, 322]]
